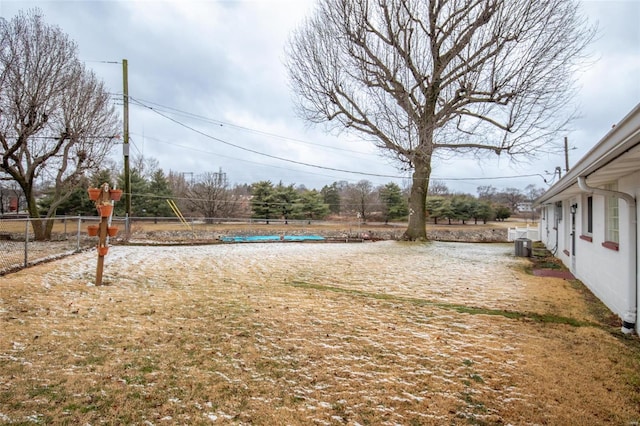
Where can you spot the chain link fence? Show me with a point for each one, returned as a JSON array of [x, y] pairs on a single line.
[[20, 249]]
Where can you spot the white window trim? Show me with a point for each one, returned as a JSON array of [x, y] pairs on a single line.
[[612, 215], [587, 211]]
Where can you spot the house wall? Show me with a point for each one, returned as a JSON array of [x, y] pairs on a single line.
[[605, 271], [549, 231], [631, 185]]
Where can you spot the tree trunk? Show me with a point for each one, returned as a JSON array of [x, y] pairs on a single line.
[[48, 226], [417, 229], [40, 231]]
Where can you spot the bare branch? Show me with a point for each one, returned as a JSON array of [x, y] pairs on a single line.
[[423, 77], [55, 116]]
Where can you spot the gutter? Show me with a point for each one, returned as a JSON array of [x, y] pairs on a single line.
[[623, 137], [630, 316]]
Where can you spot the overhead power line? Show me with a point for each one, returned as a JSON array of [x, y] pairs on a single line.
[[193, 129], [204, 151], [302, 163], [171, 110]]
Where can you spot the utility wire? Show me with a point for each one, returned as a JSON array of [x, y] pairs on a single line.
[[163, 108], [232, 158], [159, 107], [193, 129], [155, 110]]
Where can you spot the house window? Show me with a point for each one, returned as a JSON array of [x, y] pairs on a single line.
[[612, 218], [587, 218]]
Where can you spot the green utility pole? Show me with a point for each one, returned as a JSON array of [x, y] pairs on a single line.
[[125, 145]]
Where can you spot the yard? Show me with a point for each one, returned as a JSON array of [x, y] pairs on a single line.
[[305, 333]]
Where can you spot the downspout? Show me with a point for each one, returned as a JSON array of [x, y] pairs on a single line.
[[629, 318]]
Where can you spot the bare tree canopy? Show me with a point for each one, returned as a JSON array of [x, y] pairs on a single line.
[[212, 197], [56, 119], [423, 77]]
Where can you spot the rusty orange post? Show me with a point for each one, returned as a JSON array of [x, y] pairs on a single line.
[[103, 198]]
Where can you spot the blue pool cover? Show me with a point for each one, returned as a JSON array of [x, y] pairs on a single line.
[[263, 238]]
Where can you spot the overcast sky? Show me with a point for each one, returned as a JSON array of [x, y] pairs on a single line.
[[213, 72]]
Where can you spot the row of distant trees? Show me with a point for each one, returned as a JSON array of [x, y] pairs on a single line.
[[462, 208], [211, 196]]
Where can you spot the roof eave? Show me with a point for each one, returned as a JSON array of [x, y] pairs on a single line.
[[622, 137]]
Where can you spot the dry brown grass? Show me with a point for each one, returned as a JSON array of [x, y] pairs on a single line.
[[288, 334]]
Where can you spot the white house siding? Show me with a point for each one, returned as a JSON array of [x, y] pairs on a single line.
[[604, 271], [548, 232], [610, 272]]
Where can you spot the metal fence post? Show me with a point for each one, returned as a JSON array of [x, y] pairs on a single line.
[[26, 241], [78, 233]]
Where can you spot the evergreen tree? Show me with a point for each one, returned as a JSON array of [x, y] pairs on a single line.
[[287, 201], [313, 206], [159, 192], [139, 195], [502, 212], [462, 206], [434, 206], [331, 197], [393, 201], [100, 177], [78, 202], [482, 210], [263, 202], [446, 210]]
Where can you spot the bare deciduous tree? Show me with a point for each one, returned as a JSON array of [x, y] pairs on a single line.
[[423, 78], [56, 120], [437, 187], [360, 198], [180, 189], [212, 197]]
